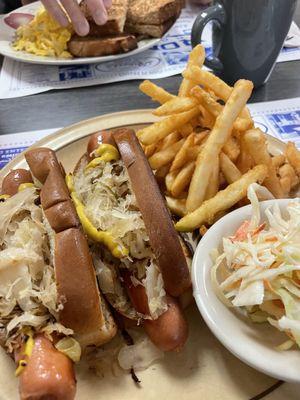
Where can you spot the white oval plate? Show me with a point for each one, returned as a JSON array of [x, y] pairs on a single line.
[[252, 343], [7, 35]]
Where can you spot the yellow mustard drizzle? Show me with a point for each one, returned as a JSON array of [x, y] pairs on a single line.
[[105, 152], [27, 352], [24, 186], [70, 182], [4, 196], [92, 232]]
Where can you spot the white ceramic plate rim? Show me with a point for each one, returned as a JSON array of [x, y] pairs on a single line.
[[202, 294], [8, 51]]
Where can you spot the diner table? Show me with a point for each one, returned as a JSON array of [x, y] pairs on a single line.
[[59, 108]]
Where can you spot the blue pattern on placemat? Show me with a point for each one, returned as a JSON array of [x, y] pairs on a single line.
[[8, 154]]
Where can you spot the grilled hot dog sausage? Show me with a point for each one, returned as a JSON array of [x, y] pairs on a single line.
[[49, 374], [98, 138], [14, 179], [170, 330]]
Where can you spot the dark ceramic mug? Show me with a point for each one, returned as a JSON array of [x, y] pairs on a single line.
[[247, 36]]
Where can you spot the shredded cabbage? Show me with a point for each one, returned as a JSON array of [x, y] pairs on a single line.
[[112, 288], [70, 347], [111, 205], [28, 295], [154, 285], [140, 355], [258, 268]]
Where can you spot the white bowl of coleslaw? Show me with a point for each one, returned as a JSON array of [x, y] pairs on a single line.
[[247, 286]]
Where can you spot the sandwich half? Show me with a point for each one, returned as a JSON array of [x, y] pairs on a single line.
[[151, 18]]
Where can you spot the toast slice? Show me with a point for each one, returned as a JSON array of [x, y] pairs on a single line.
[[152, 12], [96, 47], [145, 31], [116, 18]]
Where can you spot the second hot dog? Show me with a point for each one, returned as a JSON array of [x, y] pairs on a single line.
[[138, 249]]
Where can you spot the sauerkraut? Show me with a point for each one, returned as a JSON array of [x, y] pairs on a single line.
[[110, 205], [28, 296]]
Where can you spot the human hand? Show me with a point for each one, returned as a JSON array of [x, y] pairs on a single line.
[[97, 9]]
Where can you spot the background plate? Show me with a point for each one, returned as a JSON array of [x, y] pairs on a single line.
[[7, 34], [204, 369]]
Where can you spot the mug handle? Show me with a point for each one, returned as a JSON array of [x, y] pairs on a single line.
[[215, 13]]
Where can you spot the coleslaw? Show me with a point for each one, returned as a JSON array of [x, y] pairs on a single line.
[[258, 269]]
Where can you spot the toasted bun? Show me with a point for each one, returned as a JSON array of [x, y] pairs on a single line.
[[77, 289], [40, 162], [83, 309], [163, 238], [62, 216]]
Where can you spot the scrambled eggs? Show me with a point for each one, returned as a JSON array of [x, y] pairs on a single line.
[[43, 36]]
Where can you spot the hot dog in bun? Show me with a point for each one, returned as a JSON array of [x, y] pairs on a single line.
[[50, 305], [140, 260]]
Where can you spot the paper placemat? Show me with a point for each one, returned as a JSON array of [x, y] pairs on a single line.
[[168, 58]]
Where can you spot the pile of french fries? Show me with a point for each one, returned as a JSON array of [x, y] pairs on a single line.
[[207, 150]]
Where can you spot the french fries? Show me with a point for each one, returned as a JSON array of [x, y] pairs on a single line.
[[278, 161], [160, 174], [182, 156], [196, 58], [186, 129], [212, 188], [288, 178], [177, 206], [149, 150], [200, 137], [182, 179], [155, 92], [257, 147], [216, 140], [161, 129], [213, 83], [163, 157], [170, 178], [223, 200], [168, 141], [228, 168], [208, 81], [293, 156], [244, 161], [215, 108], [175, 106], [205, 150], [232, 148]]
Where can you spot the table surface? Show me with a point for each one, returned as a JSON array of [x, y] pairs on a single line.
[[60, 108]]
